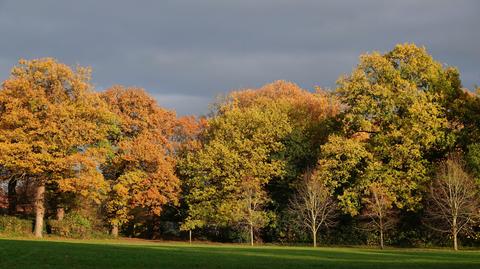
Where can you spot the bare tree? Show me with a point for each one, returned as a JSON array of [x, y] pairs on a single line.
[[313, 204], [379, 210], [251, 202], [453, 205]]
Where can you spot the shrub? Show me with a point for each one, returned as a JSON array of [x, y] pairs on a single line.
[[72, 225], [11, 225]]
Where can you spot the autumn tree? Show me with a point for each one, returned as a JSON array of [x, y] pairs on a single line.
[[252, 199], [453, 205], [188, 139], [238, 144], [50, 116], [141, 170], [312, 118], [393, 105], [307, 116], [462, 109], [344, 162], [313, 204], [310, 113], [379, 211]]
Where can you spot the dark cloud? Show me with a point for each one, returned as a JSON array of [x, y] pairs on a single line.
[[186, 52]]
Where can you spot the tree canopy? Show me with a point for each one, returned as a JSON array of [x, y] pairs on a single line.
[[141, 169], [52, 127], [366, 162]]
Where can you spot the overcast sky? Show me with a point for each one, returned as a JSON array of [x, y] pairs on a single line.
[[186, 52]]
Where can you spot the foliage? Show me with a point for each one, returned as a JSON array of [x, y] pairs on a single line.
[[303, 113], [10, 225], [464, 115], [239, 145], [473, 160], [311, 116], [141, 170], [394, 115], [51, 120], [343, 163], [73, 225], [52, 128]]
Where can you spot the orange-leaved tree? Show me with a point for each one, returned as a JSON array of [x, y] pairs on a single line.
[[141, 171], [51, 121]]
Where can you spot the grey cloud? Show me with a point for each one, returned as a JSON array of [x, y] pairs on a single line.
[[186, 52]]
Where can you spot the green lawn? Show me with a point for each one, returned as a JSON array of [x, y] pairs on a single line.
[[138, 254]]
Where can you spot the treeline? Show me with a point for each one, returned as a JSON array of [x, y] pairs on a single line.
[[392, 155]]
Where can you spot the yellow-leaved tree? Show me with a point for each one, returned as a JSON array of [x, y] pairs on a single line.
[[51, 125]]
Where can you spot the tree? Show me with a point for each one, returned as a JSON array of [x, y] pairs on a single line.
[[394, 106], [141, 171], [453, 205], [312, 118], [48, 114], [238, 144], [344, 162], [251, 203], [313, 203], [379, 210], [188, 139], [310, 114]]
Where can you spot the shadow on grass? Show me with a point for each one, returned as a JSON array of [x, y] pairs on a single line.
[[86, 254]]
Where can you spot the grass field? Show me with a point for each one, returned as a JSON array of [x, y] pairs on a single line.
[[140, 254]]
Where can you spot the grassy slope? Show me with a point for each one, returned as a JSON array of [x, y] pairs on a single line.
[[126, 254]]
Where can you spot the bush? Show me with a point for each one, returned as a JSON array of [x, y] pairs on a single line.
[[11, 225], [72, 225]]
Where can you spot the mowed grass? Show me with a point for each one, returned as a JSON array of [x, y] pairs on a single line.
[[139, 254]]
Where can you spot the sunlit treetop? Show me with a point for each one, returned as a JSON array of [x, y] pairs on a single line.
[[48, 113], [299, 103]]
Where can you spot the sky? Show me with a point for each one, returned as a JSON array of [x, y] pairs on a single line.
[[184, 53]]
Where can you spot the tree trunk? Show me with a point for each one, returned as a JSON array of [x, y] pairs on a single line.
[[314, 235], [251, 235], [39, 210], [454, 233], [60, 213], [381, 239], [190, 236], [455, 240], [114, 231], [12, 196]]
